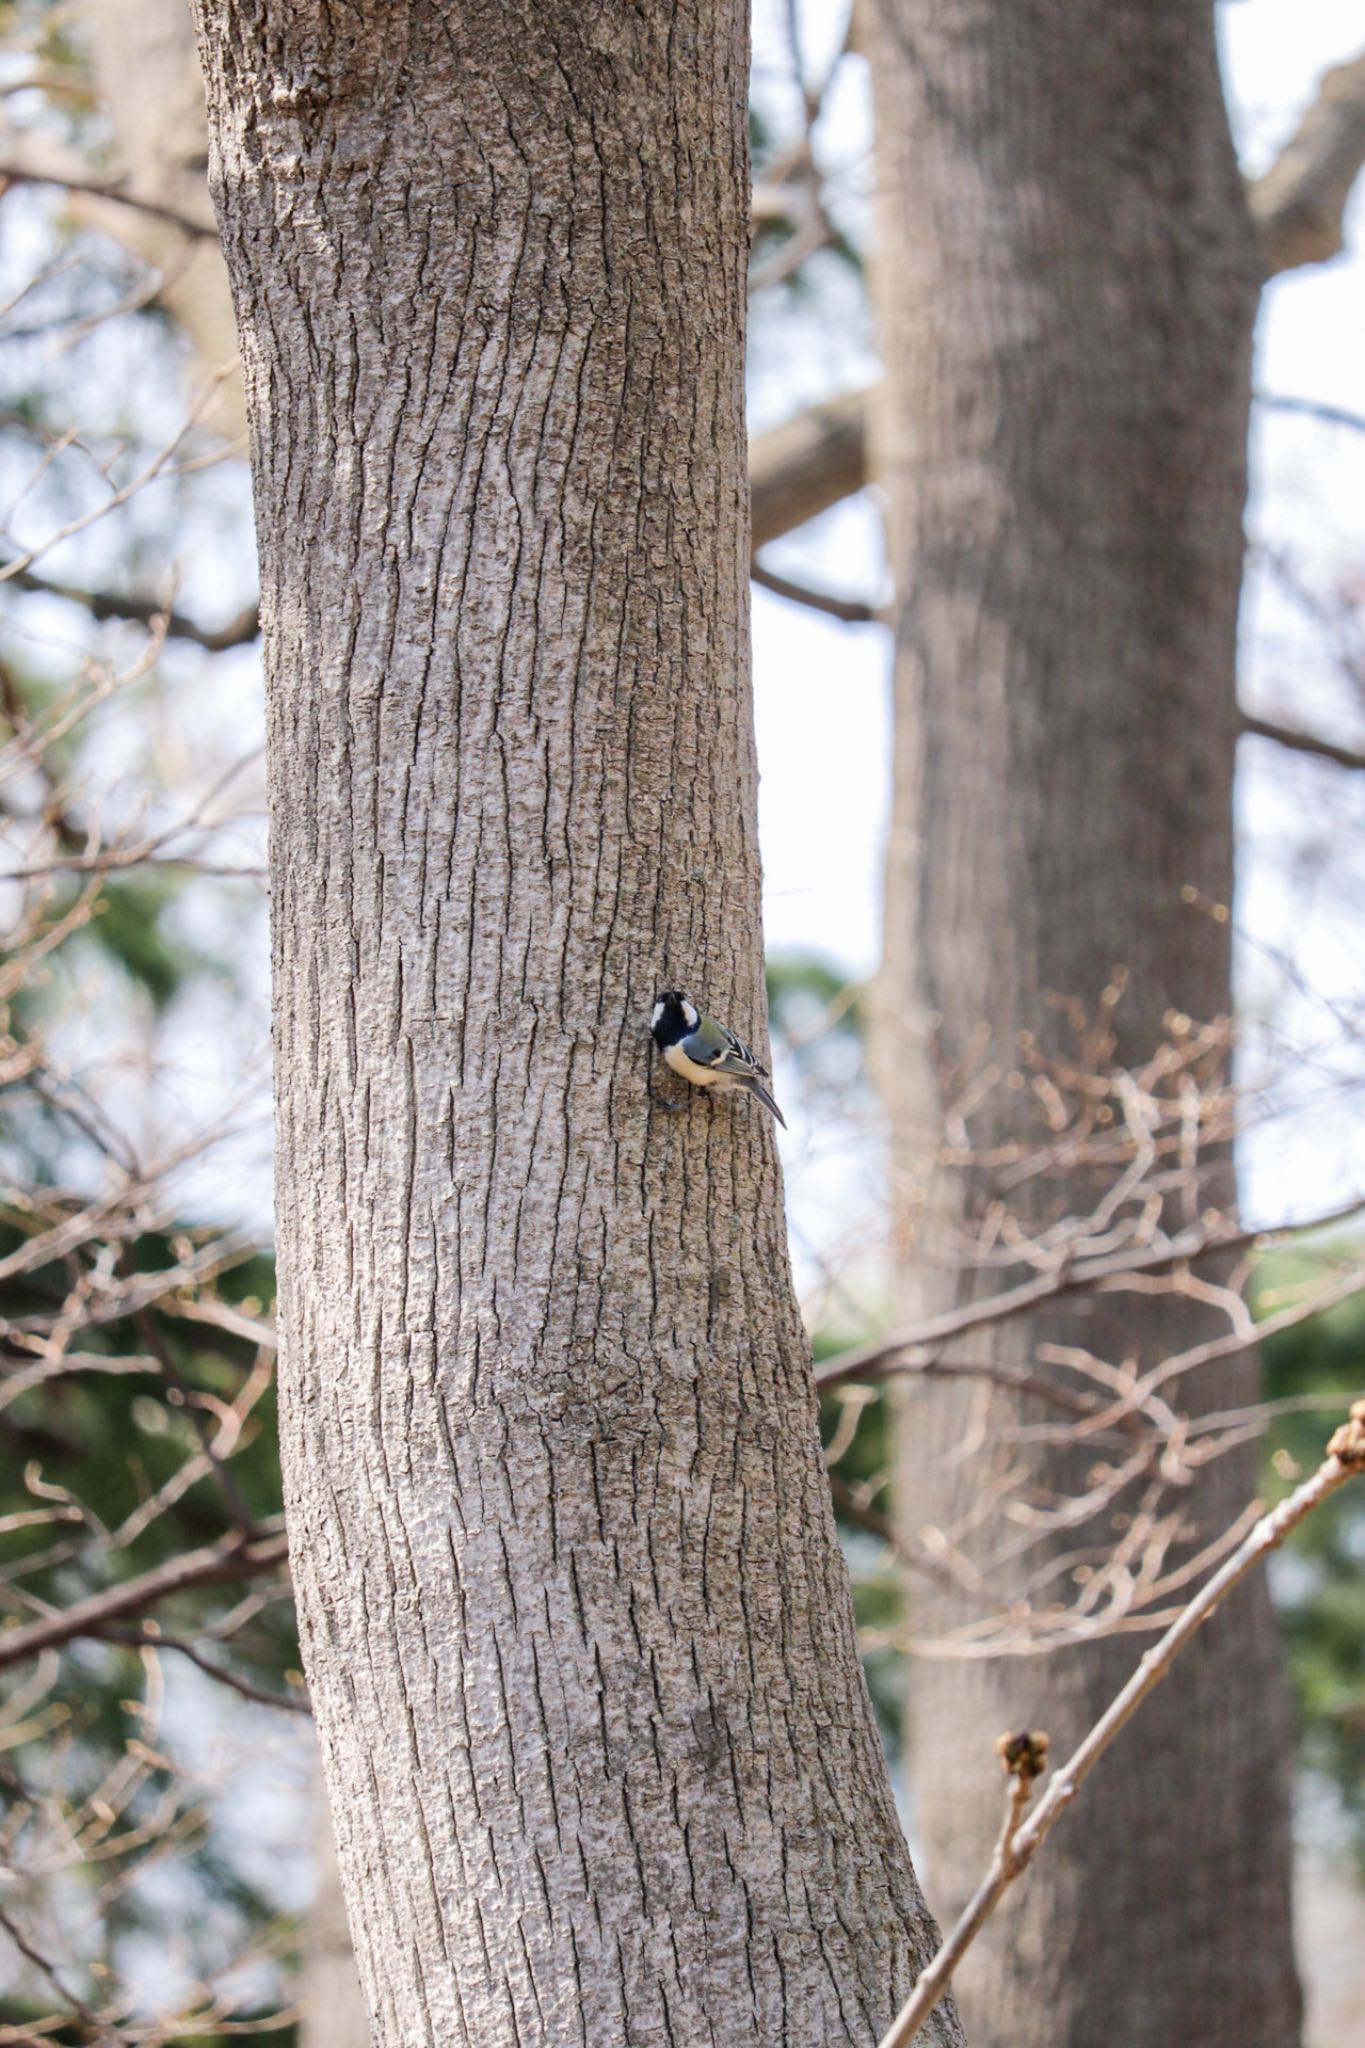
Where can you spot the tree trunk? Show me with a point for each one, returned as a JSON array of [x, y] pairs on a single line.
[[576, 1624], [1067, 282], [331, 2006]]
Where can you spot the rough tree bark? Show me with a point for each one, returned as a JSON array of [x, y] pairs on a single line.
[[1067, 284], [576, 1623]]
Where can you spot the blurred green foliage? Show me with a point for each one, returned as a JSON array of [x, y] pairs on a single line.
[[818, 1018], [131, 927], [1319, 1578], [93, 1460]]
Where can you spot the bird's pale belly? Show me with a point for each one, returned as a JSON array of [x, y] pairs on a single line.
[[701, 1077]]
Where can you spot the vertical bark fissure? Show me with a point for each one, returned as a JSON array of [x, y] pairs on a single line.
[[578, 1632], [1066, 287]]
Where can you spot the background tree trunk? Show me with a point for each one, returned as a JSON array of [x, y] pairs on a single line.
[[331, 2006], [577, 1628], [149, 80], [1067, 282]]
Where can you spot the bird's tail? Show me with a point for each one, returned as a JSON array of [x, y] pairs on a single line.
[[755, 1087]]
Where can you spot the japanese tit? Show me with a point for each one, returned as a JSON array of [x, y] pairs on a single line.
[[705, 1052]]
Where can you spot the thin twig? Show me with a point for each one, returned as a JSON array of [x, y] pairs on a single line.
[[149, 1637], [1312, 409], [881, 1360], [146, 611], [922, 1560], [111, 1300], [203, 1427], [163, 464], [88, 2017], [852, 611], [13, 172], [1302, 742], [1345, 1460], [937, 1975]]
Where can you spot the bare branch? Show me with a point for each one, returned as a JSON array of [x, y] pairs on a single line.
[[1298, 205], [227, 1483], [99, 860], [1302, 742], [770, 203], [221, 1562], [93, 2024], [807, 464], [945, 1571], [113, 1299], [810, 231], [791, 191], [1221, 1234], [150, 1637], [163, 463], [936, 1977], [1345, 1460], [14, 170], [851, 610], [1313, 409], [145, 611]]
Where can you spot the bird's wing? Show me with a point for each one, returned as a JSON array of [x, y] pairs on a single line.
[[714, 1045]]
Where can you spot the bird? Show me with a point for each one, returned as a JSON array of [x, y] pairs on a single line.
[[705, 1052]]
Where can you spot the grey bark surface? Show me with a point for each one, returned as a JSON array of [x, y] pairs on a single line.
[[1066, 287], [577, 1627]]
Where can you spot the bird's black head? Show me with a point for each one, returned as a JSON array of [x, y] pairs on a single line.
[[674, 1016]]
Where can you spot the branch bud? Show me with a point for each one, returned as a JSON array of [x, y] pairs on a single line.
[[1024, 1755], [1347, 1446]]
